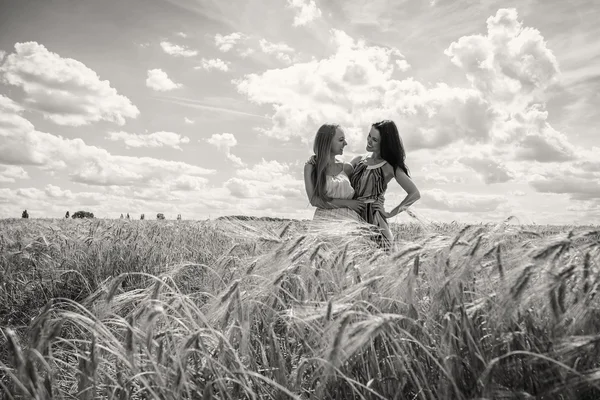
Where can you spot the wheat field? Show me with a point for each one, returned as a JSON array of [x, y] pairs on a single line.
[[232, 309]]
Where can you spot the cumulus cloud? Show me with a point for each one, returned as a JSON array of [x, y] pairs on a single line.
[[188, 183], [577, 182], [402, 65], [548, 145], [306, 11], [460, 201], [188, 121], [156, 139], [510, 65], [224, 142], [354, 87], [266, 182], [2, 54], [12, 173], [213, 63], [436, 178], [8, 105], [281, 50], [176, 50], [22, 144], [64, 90], [510, 69], [266, 171], [489, 170], [182, 34], [227, 42], [160, 81]]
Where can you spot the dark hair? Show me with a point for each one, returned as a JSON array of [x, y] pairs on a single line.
[[392, 149], [322, 149]]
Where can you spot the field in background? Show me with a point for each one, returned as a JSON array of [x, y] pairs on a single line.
[[255, 309]]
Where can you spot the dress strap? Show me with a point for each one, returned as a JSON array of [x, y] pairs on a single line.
[[381, 164]]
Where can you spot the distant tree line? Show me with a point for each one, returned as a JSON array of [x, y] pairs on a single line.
[[250, 218], [161, 216]]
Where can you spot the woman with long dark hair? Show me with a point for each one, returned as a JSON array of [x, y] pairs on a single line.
[[373, 173], [327, 181]]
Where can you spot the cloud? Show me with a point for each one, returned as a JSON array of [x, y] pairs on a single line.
[[156, 139], [227, 42], [246, 53], [159, 80], [510, 69], [578, 180], [491, 171], [182, 34], [511, 65], [270, 47], [281, 50], [216, 63], [22, 144], [2, 54], [354, 87], [188, 183], [306, 11], [402, 65], [266, 171], [188, 121], [176, 50], [224, 142], [545, 146], [459, 201], [12, 173], [64, 90], [436, 178], [265, 184], [8, 105]]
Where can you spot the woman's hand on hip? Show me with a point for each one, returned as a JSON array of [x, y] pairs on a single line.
[[378, 207]]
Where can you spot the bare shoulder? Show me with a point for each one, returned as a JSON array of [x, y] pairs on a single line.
[[388, 169], [348, 168]]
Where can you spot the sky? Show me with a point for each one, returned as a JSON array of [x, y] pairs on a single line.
[[208, 108]]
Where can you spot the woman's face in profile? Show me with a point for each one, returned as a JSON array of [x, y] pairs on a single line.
[[373, 141], [338, 143]]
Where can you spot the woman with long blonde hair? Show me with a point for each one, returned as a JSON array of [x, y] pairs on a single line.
[[327, 181]]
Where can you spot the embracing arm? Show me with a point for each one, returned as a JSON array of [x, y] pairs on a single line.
[[355, 161], [310, 190], [348, 169]]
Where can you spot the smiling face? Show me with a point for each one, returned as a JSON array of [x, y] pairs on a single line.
[[374, 141], [338, 142]]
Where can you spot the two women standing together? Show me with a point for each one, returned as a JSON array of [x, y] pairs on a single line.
[[356, 190]]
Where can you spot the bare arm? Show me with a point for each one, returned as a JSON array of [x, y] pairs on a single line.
[[412, 194], [310, 191], [349, 169]]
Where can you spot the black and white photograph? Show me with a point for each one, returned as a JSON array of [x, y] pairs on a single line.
[[299, 199]]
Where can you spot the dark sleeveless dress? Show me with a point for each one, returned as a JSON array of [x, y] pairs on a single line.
[[369, 185]]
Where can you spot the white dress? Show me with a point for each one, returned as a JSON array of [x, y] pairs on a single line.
[[337, 187]]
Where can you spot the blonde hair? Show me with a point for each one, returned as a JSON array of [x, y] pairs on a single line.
[[322, 149]]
